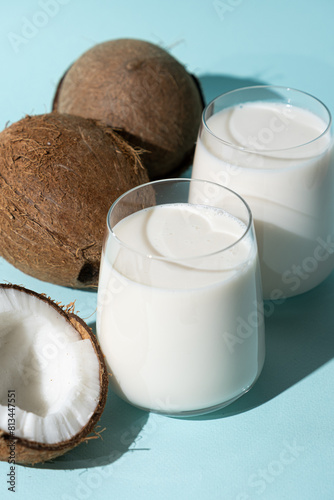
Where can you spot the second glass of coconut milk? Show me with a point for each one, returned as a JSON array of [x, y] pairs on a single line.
[[179, 315], [274, 146]]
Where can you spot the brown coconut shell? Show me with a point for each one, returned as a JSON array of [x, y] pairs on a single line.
[[29, 452], [142, 90], [59, 174]]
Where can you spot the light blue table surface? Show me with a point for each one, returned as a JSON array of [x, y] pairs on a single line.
[[277, 442]]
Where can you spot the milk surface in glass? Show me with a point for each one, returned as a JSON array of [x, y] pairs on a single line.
[[282, 166], [180, 333]]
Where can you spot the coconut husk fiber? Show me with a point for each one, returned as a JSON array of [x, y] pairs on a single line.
[[59, 174], [143, 91]]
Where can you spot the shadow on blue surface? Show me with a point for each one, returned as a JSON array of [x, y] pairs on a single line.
[[299, 340], [214, 85]]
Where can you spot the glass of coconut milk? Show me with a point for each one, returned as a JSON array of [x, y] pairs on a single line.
[[274, 146], [180, 311]]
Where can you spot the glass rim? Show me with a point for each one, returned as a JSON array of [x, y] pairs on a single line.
[[259, 87], [177, 260]]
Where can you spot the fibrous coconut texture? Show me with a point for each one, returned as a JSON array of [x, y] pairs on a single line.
[[53, 376], [142, 90], [59, 174]]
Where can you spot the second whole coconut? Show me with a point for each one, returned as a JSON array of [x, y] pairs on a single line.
[[59, 174], [142, 90]]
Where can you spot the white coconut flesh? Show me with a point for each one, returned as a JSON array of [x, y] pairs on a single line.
[[53, 371]]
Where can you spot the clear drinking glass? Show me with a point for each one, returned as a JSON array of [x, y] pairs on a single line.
[[274, 146], [180, 312]]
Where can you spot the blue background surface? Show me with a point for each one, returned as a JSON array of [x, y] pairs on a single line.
[[277, 441]]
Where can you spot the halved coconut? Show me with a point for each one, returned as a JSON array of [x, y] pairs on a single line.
[[53, 378]]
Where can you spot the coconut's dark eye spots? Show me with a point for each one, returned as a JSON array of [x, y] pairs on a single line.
[[89, 273]]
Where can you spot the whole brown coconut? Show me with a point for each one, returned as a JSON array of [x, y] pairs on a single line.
[[139, 88], [47, 404], [59, 174]]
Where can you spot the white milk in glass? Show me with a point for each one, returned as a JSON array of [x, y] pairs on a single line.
[[285, 173], [180, 332]]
